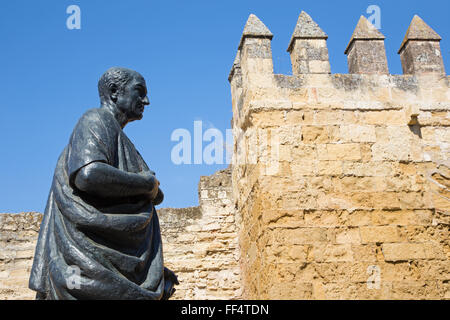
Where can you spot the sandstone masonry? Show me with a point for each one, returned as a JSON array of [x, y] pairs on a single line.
[[200, 244], [341, 180]]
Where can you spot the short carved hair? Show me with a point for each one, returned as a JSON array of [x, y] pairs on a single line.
[[113, 77]]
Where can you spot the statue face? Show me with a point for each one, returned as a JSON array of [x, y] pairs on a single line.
[[132, 99]]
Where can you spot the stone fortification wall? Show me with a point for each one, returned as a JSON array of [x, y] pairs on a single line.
[[199, 243], [341, 180]]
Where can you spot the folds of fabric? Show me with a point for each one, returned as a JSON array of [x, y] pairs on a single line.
[[114, 244]]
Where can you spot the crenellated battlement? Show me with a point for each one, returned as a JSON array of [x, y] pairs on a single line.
[[419, 51], [367, 86]]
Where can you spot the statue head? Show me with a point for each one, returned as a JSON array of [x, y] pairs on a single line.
[[125, 92]]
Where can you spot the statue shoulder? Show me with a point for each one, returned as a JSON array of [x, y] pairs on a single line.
[[97, 116], [88, 116], [96, 122], [93, 114]]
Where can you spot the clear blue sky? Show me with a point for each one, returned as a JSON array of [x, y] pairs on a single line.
[[184, 49]]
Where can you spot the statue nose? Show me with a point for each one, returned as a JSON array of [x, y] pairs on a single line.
[[145, 101]]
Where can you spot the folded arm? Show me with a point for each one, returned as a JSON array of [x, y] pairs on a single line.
[[103, 180]]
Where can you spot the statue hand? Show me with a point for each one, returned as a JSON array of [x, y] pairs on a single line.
[[170, 275], [170, 279], [159, 198], [152, 182]]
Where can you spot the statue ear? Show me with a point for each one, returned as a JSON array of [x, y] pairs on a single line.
[[113, 93]]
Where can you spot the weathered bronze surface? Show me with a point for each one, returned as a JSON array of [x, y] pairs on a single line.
[[100, 236]]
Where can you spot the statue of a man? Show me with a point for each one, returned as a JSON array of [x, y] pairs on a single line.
[[100, 235]]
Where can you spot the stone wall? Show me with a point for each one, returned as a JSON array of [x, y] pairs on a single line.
[[341, 180], [199, 243], [18, 235]]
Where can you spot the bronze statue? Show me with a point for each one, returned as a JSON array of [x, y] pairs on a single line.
[[100, 235]]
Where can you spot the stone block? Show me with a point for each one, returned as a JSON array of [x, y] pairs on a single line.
[[379, 234], [410, 251], [331, 253], [350, 235], [331, 168], [345, 151]]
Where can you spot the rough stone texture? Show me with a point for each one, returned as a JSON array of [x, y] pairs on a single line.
[[310, 56], [366, 52], [200, 245], [332, 179], [419, 30], [255, 28], [365, 31], [308, 47], [367, 56], [18, 235], [307, 28], [422, 57], [420, 51]]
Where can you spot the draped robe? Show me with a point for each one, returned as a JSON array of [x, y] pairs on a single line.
[[91, 247]]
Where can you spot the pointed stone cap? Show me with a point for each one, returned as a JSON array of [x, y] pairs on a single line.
[[419, 30], [236, 64], [306, 28], [364, 31], [255, 28], [237, 59]]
